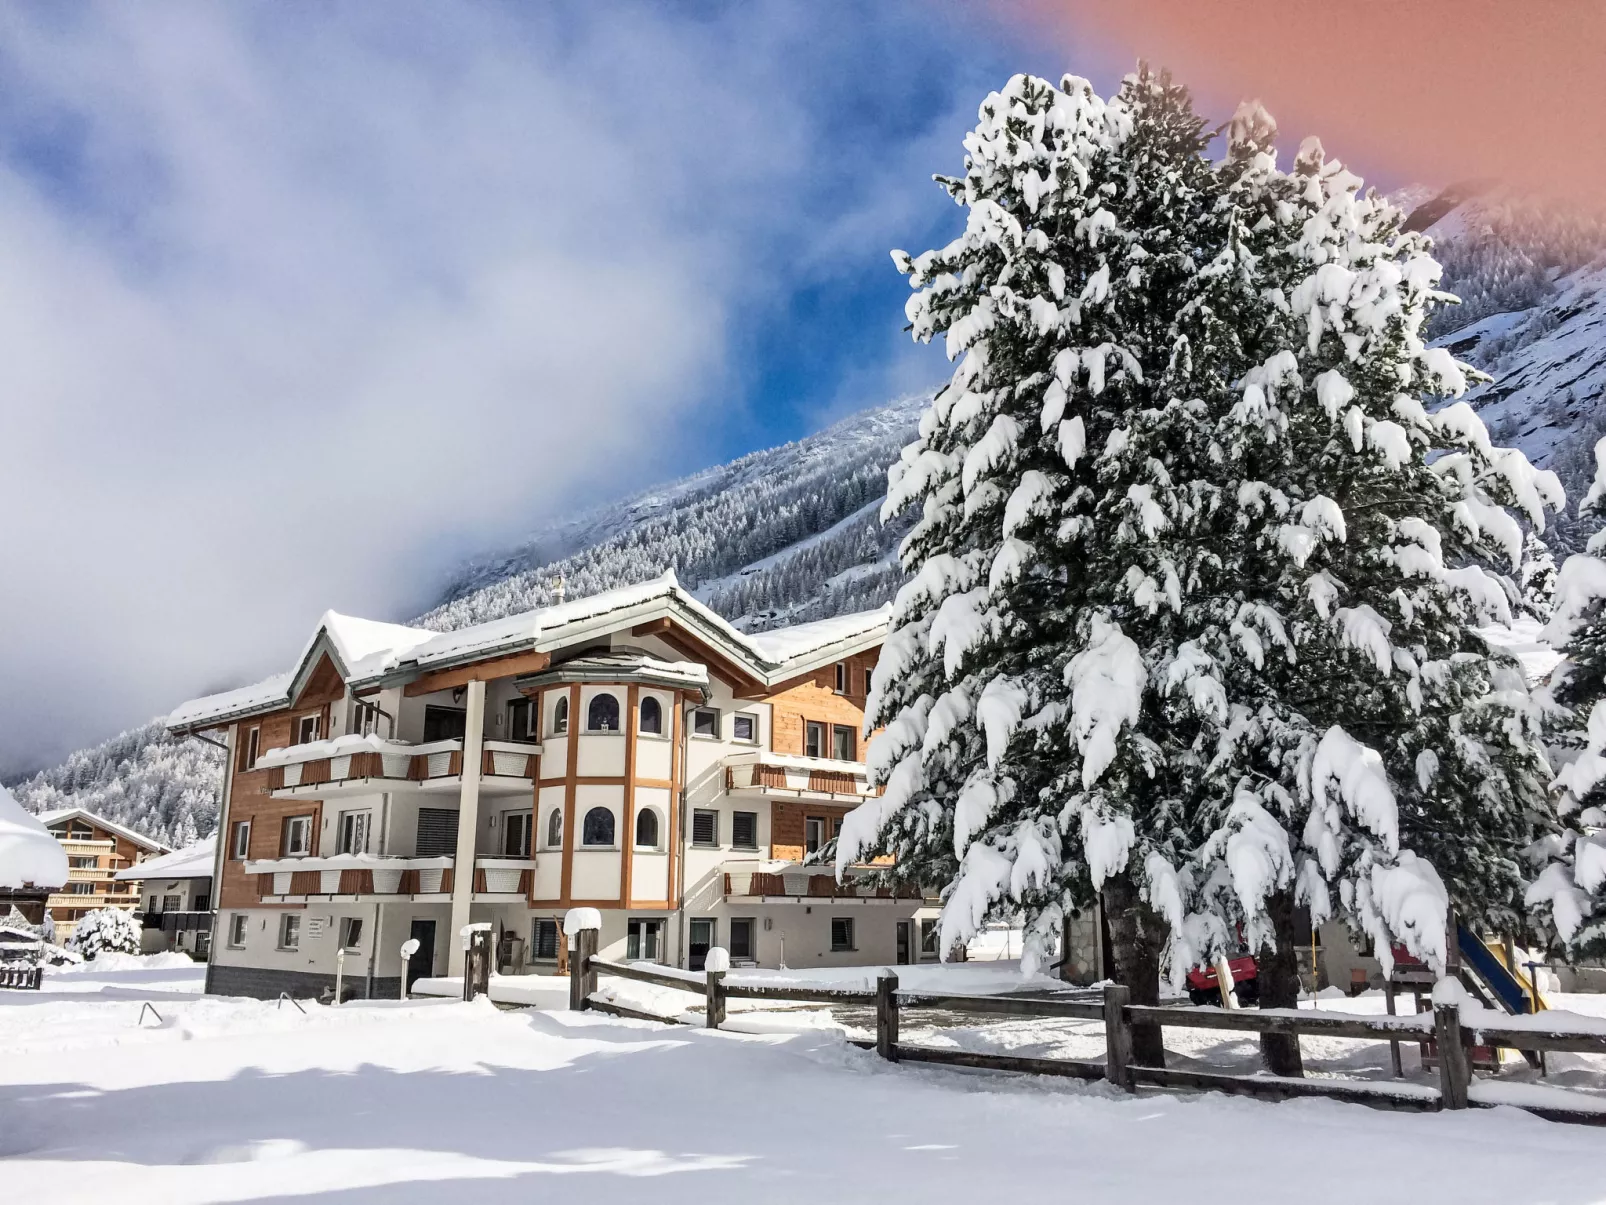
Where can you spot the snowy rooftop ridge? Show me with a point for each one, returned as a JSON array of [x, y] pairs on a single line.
[[192, 862], [369, 651], [111, 826], [29, 855]]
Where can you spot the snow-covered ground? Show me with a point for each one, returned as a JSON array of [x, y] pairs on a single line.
[[241, 1100]]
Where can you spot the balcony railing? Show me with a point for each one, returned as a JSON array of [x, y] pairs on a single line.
[[352, 874], [805, 777], [394, 764], [176, 921], [810, 883]]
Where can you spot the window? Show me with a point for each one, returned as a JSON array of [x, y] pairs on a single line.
[[841, 934], [742, 938], [928, 939], [554, 829], [520, 720], [652, 716], [295, 838], [172, 903], [705, 722], [202, 900], [598, 827], [80, 889], [350, 932], [82, 863], [444, 723], [869, 676], [643, 940], [704, 828], [836, 827], [240, 846], [647, 829], [700, 938], [603, 714], [842, 742], [814, 739], [544, 939], [813, 834], [253, 747], [744, 830], [437, 832], [516, 834], [362, 717], [744, 728], [354, 832], [560, 716], [237, 929], [841, 677], [290, 931], [307, 729]]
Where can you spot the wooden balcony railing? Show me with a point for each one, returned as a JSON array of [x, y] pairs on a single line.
[[821, 886], [496, 761]]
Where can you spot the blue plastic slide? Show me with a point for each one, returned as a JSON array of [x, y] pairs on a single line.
[[1489, 968]]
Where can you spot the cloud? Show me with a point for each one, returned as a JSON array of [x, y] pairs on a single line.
[[298, 301]]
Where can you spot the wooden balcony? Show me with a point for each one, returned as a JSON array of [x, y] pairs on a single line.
[[307, 878], [788, 776], [803, 887], [505, 766]]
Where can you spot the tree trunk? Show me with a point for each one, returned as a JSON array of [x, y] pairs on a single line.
[[1137, 935], [1279, 984]]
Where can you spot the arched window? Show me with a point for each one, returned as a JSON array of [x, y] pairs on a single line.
[[554, 829], [560, 716], [646, 829], [652, 716], [598, 828], [603, 714]]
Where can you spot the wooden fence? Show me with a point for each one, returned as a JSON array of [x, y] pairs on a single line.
[[20, 975], [1452, 1041]]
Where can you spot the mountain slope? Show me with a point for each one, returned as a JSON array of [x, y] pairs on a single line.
[[793, 533]]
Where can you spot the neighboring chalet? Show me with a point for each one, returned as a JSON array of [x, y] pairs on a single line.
[[97, 850], [177, 889], [630, 752]]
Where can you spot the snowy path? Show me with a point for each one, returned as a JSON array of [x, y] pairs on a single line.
[[438, 1101]]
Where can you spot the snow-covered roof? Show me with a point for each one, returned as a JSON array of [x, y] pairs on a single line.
[[782, 645], [192, 862], [623, 665], [371, 653], [29, 855], [111, 826]]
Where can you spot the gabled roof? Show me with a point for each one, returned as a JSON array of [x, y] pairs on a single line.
[[192, 862], [111, 826], [369, 654]]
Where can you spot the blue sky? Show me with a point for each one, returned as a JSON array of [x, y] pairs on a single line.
[[305, 302]]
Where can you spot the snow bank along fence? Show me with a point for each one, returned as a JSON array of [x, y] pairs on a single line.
[[1453, 1041]]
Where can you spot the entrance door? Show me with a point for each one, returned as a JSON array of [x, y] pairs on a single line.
[[906, 942], [422, 964], [699, 941]]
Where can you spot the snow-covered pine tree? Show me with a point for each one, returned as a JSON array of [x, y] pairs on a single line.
[[1376, 725], [1046, 727], [1571, 889], [1536, 581]]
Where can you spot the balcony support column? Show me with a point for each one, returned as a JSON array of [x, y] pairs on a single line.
[[468, 824]]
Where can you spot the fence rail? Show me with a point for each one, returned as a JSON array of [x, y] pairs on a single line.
[[1442, 1028]]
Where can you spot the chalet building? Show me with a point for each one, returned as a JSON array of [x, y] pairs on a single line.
[[97, 851], [630, 752], [177, 890]]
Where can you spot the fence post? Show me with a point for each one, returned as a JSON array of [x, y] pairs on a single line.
[[1117, 1036], [886, 1016], [582, 975], [1453, 1070], [714, 995]]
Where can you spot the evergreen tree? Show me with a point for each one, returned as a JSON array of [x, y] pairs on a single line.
[[1536, 581], [1570, 892]]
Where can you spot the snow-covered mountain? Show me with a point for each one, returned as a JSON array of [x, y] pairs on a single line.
[[792, 533]]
